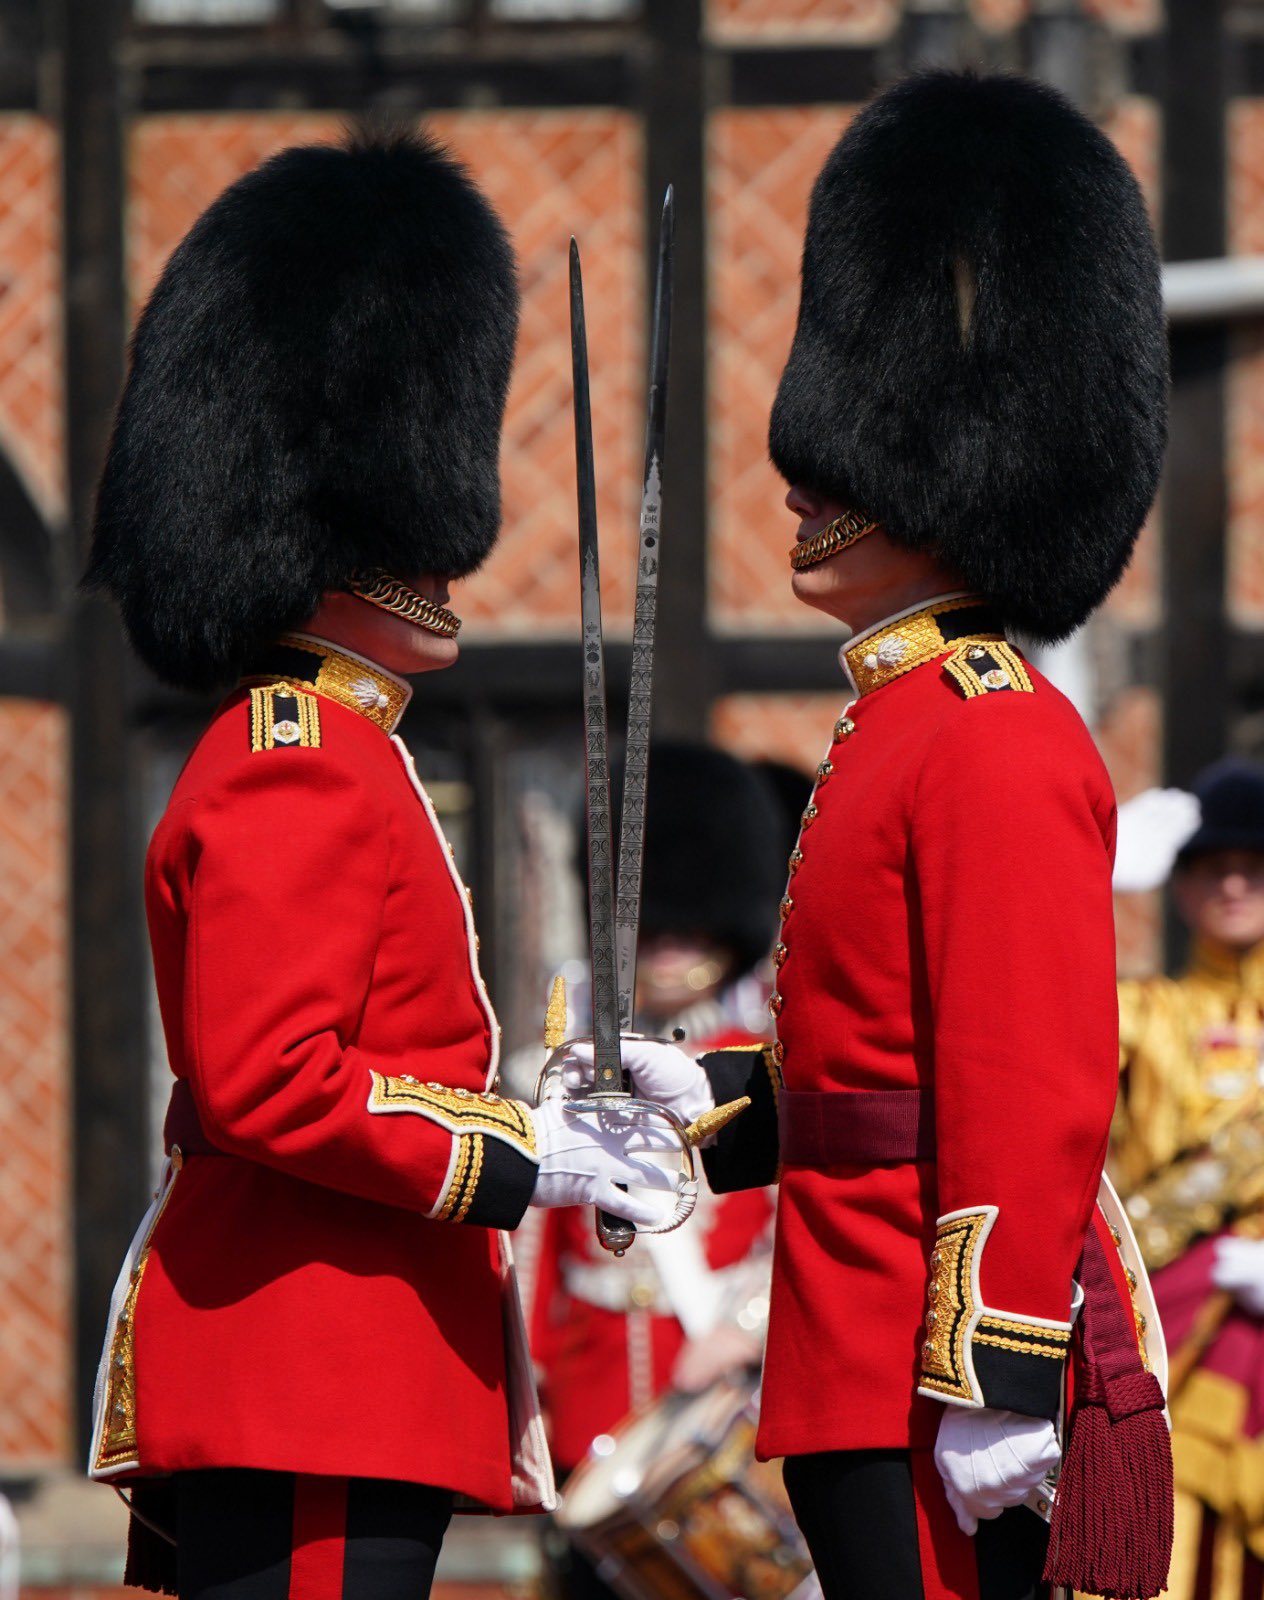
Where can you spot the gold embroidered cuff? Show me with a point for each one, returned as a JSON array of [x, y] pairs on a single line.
[[460, 1111], [973, 1355]]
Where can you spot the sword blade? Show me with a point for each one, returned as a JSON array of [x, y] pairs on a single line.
[[640, 698], [605, 1002]]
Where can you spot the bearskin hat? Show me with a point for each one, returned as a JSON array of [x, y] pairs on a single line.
[[316, 392], [980, 360], [714, 853]]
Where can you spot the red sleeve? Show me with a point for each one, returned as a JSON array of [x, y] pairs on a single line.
[[288, 873], [1011, 835]]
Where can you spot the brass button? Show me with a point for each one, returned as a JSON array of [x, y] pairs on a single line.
[[641, 1295], [778, 1052], [809, 817], [1132, 1279], [824, 771], [932, 1317], [775, 1003], [976, 652], [779, 954], [787, 906], [935, 1259], [796, 860], [843, 729], [932, 1289], [928, 1349]]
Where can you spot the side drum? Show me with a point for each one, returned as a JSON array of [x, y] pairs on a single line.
[[674, 1506]]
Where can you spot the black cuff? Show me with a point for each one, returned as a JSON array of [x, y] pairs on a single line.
[[1029, 1381], [491, 1185], [745, 1154]]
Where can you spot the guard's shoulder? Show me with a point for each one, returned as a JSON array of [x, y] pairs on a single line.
[[976, 669], [283, 717]]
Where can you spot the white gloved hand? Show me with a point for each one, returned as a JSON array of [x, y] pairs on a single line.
[[992, 1459], [659, 1071], [1239, 1268], [584, 1158]]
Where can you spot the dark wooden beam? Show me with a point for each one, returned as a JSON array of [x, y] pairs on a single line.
[[106, 936], [674, 102], [1194, 675]]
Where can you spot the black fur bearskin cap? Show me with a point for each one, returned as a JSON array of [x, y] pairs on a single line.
[[980, 360], [714, 853], [316, 391]]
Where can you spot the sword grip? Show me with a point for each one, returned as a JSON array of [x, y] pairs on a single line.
[[614, 1233]]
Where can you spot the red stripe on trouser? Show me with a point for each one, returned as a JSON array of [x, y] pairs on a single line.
[[949, 1568], [320, 1532]]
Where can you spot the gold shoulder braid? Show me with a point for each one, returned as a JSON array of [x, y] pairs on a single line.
[[389, 594], [843, 532]]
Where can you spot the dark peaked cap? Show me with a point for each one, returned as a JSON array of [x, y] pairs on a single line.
[[1025, 449], [316, 390]]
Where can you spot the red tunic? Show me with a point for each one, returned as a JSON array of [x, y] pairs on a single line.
[[305, 1302], [948, 926], [599, 1362]]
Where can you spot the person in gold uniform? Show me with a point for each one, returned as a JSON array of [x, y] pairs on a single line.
[[1188, 1153]]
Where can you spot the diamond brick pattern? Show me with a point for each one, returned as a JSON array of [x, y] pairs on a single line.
[[550, 174], [30, 313], [792, 728], [802, 20], [1136, 127], [34, 1174], [762, 165]]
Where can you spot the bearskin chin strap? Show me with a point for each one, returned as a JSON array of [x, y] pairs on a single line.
[[838, 535], [1111, 1532], [389, 594]]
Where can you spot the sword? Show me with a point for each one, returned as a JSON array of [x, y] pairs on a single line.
[[636, 760], [614, 1233]]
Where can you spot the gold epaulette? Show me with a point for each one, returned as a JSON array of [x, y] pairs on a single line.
[[990, 668], [282, 716]]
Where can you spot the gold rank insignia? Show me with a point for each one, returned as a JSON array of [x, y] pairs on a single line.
[[993, 667], [281, 715]]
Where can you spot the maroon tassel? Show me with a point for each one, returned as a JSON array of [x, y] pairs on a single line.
[[1111, 1532], [151, 1552]]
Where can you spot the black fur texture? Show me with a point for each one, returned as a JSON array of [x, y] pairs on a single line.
[[1025, 450], [316, 391], [714, 853]]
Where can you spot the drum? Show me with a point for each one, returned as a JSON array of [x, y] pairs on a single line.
[[674, 1506]]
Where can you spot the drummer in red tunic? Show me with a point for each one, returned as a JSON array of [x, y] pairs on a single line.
[[610, 1333], [972, 423], [315, 1348]]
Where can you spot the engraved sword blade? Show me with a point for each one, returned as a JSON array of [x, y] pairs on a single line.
[[605, 1002], [640, 695]]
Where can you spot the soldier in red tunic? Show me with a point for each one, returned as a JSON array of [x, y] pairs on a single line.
[[315, 1347], [972, 422]]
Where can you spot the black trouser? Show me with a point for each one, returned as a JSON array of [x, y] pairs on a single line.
[[858, 1512], [244, 1535]]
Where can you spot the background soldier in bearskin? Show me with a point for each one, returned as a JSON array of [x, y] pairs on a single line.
[[972, 423], [315, 1347], [609, 1333]]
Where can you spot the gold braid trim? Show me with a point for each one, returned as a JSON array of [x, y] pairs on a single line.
[[456, 1203], [983, 668], [267, 730], [460, 1111], [118, 1438], [953, 1310]]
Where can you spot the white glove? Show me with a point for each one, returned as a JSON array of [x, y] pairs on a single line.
[[583, 1158], [660, 1072], [992, 1459], [1239, 1268]]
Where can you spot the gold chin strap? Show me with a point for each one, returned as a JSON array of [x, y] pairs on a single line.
[[839, 535], [389, 594]]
